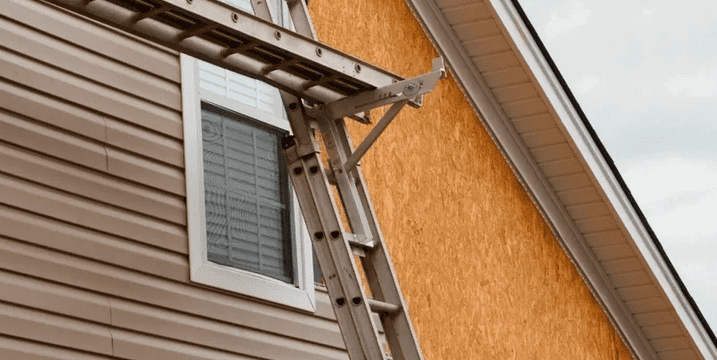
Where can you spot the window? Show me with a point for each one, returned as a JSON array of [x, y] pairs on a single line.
[[246, 234]]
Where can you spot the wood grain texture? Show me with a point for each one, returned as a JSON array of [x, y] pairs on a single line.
[[482, 273]]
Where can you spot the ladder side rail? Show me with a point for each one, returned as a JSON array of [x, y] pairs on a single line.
[[333, 252], [335, 258], [338, 65], [347, 189], [377, 264]]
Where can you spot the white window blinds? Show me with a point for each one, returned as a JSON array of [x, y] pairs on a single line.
[[239, 88], [246, 194]]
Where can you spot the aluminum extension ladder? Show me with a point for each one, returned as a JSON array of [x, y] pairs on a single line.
[[320, 86]]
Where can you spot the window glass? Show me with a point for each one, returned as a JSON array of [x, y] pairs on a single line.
[[246, 195]]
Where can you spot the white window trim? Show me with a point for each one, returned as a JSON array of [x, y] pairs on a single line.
[[300, 295]]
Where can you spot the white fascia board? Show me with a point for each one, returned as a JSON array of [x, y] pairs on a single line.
[[601, 171], [530, 175]]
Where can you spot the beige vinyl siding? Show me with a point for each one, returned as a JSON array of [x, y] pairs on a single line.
[[93, 237]]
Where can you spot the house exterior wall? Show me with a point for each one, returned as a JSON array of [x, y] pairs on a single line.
[[93, 237], [482, 273]]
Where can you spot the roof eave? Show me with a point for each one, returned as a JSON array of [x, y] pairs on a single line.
[[564, 107]]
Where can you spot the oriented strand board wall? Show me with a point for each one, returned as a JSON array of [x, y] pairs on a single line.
[[483, 274]]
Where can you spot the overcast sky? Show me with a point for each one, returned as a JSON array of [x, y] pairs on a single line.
[[645, 73]]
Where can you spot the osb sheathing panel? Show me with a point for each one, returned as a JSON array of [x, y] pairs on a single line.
[[482, 273]]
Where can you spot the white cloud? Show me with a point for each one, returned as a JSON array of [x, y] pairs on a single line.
[[702, 84], [677, 194], [563, 21], [587, 84]]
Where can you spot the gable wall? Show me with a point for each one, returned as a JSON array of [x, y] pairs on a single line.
[[93, 238], [480, 269]]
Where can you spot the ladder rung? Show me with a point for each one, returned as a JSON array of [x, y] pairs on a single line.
[[383, 307], [323, 80], [359, 245], [148, 14], [282, 65], [178, 24], [239, 49], [205, 28]]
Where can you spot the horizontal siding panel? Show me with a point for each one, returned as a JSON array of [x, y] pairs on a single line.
[[135, 346], [95, 185], [634, 278], [671, 344], [94, 36], [622, 265], [467, 14], [69, 208], [51, 110], [476, 30], [529, 123], [561, 167], [486, 45], [591, 225], [59, 299], [146, 172], [656, 318], [678, 355], [140, 141], [527, 107], [551, 136], [613, 252], [579, 196], [604, 238], [569, 182], [210, 333], [521, 92], [103, 278], [41, 138], [639, 292], [81, 62], [647, 305], [53, 329], [89, 94], [13, 348], [69, 238], [496, 62], [586, 210]]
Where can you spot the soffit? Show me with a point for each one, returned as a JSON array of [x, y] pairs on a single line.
[[510, 84]]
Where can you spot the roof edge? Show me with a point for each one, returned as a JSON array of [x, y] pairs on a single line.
[[613, 168], [484, 104], [518, 157]]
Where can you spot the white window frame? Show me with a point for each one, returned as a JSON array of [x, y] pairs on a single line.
[[299, 295]]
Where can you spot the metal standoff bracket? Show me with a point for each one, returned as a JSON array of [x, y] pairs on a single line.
[[397, 95], [410, 90]]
